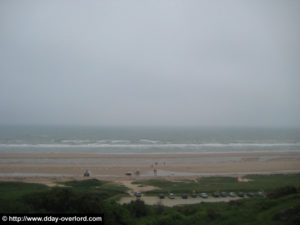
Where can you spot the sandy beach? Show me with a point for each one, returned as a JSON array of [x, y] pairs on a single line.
[[115, 166]]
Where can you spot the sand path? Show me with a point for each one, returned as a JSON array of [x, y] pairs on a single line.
[[135, 187]]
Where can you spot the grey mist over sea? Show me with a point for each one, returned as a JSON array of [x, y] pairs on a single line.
[[112, 64]]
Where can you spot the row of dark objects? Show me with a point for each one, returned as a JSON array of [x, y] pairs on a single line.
[[217, 195], [239, 194], [214, 194]]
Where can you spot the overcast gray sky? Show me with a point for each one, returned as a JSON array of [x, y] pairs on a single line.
[[164, 62]]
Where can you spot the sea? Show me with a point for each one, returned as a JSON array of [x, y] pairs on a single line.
[[146, 140]]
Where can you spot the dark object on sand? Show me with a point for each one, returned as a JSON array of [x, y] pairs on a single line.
[[87, 173]]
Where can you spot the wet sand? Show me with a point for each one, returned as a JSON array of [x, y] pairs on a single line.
[[115, 166]]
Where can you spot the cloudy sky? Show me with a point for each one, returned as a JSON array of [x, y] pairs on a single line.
[[160, 62]]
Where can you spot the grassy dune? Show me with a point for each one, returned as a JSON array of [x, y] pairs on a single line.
[[264, 183], [280, 207]]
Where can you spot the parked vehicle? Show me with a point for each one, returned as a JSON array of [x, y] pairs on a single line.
[[250, 194], [138, 194], [241, 194], [184, 196], [260, 194], [223, 194], [171, 196], [161, 196], [216, 194], [204, 195], [232, 194]]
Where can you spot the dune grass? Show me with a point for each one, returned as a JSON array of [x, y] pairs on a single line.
[[265, 183], [280, 207], [31, 197]]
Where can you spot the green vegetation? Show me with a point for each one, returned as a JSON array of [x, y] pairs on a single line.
[[77, 196], [280, 207], [264, 183], [103, 189], [12, 192], [281, 211]]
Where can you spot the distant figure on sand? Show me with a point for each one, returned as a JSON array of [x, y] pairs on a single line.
[[87, 173], [128, 174], [155, 172]]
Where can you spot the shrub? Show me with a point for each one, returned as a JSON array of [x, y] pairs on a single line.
[[64, 200], [289, 216], [138, 208], [280, 192], [212, 214]]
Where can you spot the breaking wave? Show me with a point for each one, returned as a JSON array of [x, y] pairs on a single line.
[[145, 144]]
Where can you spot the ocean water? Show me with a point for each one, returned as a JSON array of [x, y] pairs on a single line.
[[148, 140]]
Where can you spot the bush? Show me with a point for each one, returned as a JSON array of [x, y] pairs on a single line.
[[289, 216], [116, 214], [64, 200], [13, 206], [85, 183], [280, 192], [187, 211], [138, 208], [212, 214], [173, 218]]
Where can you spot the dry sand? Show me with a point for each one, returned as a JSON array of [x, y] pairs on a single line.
[[51, 169], [114, 167]]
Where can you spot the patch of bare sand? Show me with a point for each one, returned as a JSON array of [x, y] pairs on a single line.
[[50, 182], [135, 187], [243, 179]]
